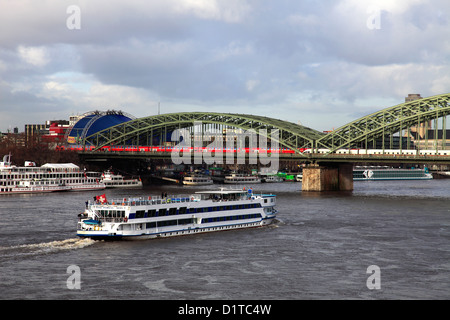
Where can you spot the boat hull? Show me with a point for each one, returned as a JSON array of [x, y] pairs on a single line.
[[189, 183], [242, 182], [101, 235], [137, 185], [35, 190]]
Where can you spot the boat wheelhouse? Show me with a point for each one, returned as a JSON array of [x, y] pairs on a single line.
[[241, 179], [112, 180], [197, 180], [47, 178], [154, 217]]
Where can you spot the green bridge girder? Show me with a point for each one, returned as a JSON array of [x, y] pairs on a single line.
[[385, 122], [290, 135]]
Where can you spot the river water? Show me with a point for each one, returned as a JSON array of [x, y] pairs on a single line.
[[320, 248]]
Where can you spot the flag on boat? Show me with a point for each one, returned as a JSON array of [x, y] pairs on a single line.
[[101, 199]]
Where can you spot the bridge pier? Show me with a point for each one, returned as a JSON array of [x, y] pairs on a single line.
[[329, 177]]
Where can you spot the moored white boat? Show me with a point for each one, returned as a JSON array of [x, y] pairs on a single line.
[[47, 178], [112, 180], [154, 217], [241, 179], [197, 180]]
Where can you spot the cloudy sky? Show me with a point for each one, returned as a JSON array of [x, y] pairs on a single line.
[[320, 63]]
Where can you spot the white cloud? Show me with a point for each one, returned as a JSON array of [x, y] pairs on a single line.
[[251, 84], [36, 56], [231, 11]]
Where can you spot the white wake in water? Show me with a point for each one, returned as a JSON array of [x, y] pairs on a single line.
[[45, 247]]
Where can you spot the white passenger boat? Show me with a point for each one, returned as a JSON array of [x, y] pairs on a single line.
[[197, 180], [47, 178], [112, 180], [153, 217], [241, 179]]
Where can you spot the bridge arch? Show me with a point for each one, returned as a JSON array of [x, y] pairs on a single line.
[[387, 121], [290, 135]]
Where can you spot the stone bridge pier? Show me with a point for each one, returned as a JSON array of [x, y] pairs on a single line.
[[328, 177]]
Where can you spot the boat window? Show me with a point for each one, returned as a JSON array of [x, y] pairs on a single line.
[[166, 223], [172, 211], [151, 225], [162, 212], [185, 221], [182, 210], [140, 214], [152, 213]]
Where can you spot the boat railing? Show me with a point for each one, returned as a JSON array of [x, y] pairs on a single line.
[[154, 200], [157, 200]]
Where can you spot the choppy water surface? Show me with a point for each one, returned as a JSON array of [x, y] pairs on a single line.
[[320, 248]]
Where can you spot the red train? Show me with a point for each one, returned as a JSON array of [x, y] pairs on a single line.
[[176, 148]]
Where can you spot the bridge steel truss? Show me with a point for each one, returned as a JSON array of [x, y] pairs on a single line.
[[389, 121], [381, 124], [141, 131]]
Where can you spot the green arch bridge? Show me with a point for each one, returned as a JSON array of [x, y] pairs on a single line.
[[308, 145], [360, 133]]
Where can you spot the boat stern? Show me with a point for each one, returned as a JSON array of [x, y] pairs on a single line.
[[95, 229]]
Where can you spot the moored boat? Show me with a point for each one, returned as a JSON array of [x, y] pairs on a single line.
[[154, 217], [47, 178], [386, 173], [112, 180], [241, 179], [197, 180]]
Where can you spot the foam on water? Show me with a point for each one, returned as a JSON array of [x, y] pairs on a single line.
[[45, 247]]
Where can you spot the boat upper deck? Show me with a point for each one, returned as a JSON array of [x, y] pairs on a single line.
[[215, 196], [49, 167]]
